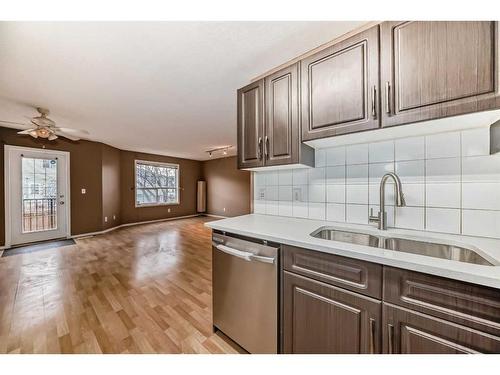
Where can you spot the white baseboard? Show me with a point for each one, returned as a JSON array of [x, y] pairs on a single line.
[[90, 234]]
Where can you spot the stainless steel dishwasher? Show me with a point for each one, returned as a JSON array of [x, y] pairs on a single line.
[[245, 292]]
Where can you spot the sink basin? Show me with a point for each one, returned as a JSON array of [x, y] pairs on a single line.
[[430, 249], [345, 236], [436, 250]]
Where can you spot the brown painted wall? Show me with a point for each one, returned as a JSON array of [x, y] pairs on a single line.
[[107, 174], [111, 193], [190, 171], [85, 172], [226, 187]]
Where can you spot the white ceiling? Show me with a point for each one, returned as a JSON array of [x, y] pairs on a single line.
[[160, 87]]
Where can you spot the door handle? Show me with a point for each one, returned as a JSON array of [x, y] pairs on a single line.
[[374, 102], [372, 336], [387, 97], [390, 340], [266, 147], [61, 202], [259, 149]]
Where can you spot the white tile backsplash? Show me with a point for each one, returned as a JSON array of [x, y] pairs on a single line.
[[335, 175], [410, 217], [481, 223], [443, 170], [450, 184], [357, 154], [317, 211], [317, 193], [481, 168], [443, 220], [335, 193], [444, 145], [443, 195], [335, 212], [357, 213], [357, 194], [335, 156], [476, 142], [357, 174], [410, 148], [482, 195], [381, 152]]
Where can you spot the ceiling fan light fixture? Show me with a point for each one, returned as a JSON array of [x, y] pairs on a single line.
[[33, 133], [43, 132]]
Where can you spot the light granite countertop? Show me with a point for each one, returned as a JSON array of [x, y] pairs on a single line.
[[296, 232]]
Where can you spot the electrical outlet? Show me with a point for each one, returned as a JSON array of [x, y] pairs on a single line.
[[114, 217], [168, 210], [224, 209], [84, 191], [262, 194], [105, 219], [297, 194]]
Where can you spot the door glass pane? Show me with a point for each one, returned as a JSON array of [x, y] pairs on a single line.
[[39, 194]]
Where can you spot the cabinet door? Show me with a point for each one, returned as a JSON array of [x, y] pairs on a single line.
[[281, 139], [410, 332], [340, 87], [319, 319], [250, 125], [437, 69]]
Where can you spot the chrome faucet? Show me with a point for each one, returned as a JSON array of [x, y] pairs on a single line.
[[381, 218]]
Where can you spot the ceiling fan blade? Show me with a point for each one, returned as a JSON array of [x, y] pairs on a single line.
[[75, 132], [14, 123], [65, 135], [27, 131]]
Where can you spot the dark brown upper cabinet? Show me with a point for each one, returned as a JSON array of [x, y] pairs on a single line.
[[268, 122], [282, 138], [437, 69], [340, 87], [251, 125]]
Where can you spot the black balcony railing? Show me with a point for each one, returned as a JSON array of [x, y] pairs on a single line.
[[39, 214]]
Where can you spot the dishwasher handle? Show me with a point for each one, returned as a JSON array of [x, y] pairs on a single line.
[[244, 254]]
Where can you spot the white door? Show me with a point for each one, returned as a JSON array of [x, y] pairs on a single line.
[[36, 194]]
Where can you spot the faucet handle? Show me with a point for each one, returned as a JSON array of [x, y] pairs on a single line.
[[373, 218]]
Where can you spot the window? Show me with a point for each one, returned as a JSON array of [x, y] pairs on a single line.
[[156, 183]]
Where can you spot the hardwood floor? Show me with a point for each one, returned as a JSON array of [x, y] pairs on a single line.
[[141, 289]]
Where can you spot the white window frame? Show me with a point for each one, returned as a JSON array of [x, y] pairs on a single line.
[[160, 164]]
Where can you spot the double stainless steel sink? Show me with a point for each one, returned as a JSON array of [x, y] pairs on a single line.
[[413, 246]]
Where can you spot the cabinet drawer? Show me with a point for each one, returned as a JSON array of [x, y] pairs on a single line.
[[468, 304], [352, 274]]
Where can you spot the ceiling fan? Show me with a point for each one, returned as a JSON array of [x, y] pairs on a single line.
[[44, 127]]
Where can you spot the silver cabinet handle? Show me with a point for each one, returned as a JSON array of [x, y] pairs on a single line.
[[372, 336], [266, 147], [387, 97], [390, 341], [374, 102], [259, 149], [243, 254]]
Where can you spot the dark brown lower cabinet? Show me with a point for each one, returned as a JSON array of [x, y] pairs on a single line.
[[410, 332], [323, 319]]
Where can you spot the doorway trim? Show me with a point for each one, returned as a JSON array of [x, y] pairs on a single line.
[[7, 149]]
